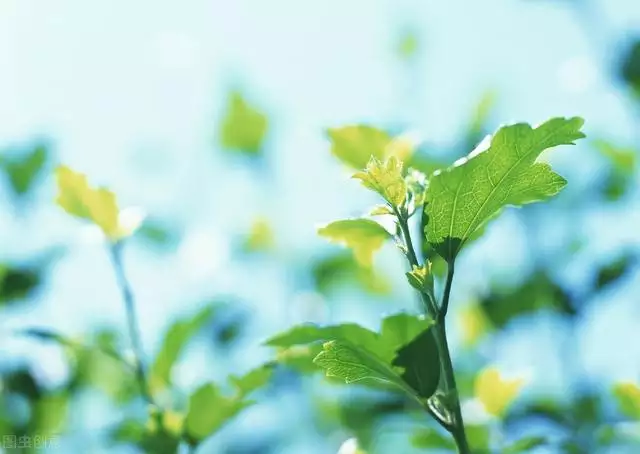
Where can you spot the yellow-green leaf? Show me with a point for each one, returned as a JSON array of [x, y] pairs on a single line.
[[628, 396], [495, 392], [260, 237], [355, 145], [386, 179], [243, 127], [97, 205], [474, 324], [364, 236], [421, 278]]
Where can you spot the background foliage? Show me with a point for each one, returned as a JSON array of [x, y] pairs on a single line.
[[224, 123]]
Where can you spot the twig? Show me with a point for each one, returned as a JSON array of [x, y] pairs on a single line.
[[132, 321]]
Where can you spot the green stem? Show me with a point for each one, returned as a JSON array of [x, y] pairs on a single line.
[[427, 299], [447, 293], [132, 321], [449, 380], [451, 390]]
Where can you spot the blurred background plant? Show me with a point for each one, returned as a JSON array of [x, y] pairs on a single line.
[[220, 120]]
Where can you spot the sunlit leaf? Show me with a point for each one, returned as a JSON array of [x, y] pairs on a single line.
[[363, 236], [344, 360], [356, 145], [244, 127], [479, 438], [495, 392], [386, 179], [210, 408], [260, 237], [463, 197], [474, 324], [627, 395], [334, 270], [79, 199], [421, 278]]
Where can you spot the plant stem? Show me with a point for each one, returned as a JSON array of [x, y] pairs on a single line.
[[451, 389], [439, 330], [427, 299], [444, 307], [132, 321]]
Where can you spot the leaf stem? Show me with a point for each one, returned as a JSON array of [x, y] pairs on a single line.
[[444, 307], [132, 321]]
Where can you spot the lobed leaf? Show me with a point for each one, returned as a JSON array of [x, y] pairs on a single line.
[[463, 197]]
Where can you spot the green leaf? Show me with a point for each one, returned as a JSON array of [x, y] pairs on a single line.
[[244, 127], [408, 44], [627, 395], [495, 392], [79, 199], [339, 268], [421, 364], [364, 236], [630, 67], [346, 361], [479, 438], [210, 409], [525, 445], [463, 197], [18, 283], [309, 333], [421, 278], [158, 234], [174, 343], [539, 292], [611, 272], [396, 331], [260, 237], [252, 380], [386, 179], [23, 171], [621, 170], [355, 145], [428, 438]]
